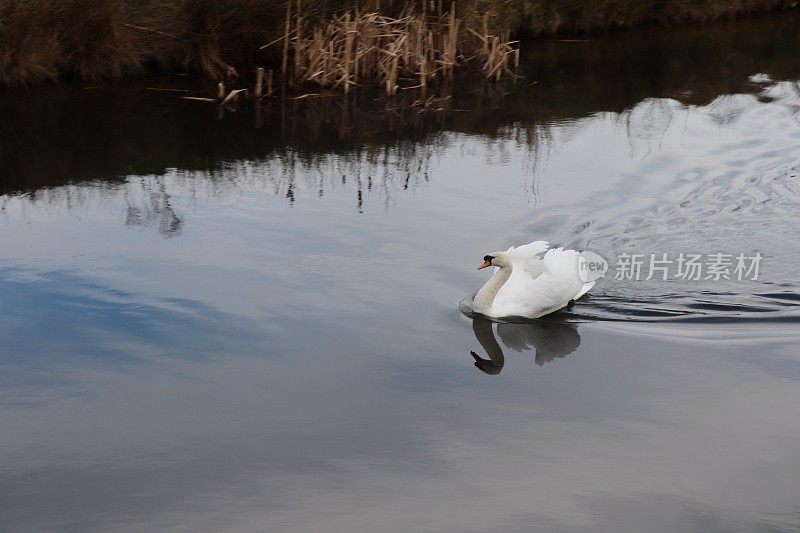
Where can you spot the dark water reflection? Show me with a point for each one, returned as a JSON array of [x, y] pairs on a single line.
[[547, 339], [249, 322]]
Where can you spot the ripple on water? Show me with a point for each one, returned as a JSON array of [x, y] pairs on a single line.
[[729, 182]]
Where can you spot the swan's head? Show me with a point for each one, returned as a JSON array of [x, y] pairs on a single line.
[[495, 259]]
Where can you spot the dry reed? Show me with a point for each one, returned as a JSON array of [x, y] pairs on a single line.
[[357, 47]]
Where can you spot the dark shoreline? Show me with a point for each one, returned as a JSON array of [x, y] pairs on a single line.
[[48, 41]]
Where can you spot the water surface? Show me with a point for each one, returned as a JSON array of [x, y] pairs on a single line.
[[249, 320]]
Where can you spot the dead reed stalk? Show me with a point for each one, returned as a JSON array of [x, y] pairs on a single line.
[[359, 46], [259, 83]]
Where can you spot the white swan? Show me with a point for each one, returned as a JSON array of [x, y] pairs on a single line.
[[527, 285]]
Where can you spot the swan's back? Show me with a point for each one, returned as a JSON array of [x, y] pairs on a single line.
[[536, 286]]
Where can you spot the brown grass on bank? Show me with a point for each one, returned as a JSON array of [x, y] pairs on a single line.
[[100, 39], [548, 17]]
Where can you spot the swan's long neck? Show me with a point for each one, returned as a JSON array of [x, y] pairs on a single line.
[[484, 298], [485, 335]]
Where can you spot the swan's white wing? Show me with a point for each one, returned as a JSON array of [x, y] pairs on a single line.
[[527, 257], [528, 251], [557, 284]]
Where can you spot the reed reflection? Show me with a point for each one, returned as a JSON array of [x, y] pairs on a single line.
[[550, 339], [141, 132]]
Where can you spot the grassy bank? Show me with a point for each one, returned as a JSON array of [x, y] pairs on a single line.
[[546, 17], [95, 40]]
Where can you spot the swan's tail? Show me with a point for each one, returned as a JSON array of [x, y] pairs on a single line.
[[560, 260], [586, 288]]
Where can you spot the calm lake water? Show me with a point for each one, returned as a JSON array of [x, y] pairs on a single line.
[[249, 320]]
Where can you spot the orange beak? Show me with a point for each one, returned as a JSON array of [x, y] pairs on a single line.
[[485, 264]]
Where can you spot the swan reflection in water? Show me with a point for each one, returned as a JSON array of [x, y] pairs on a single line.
[[550, 340]]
